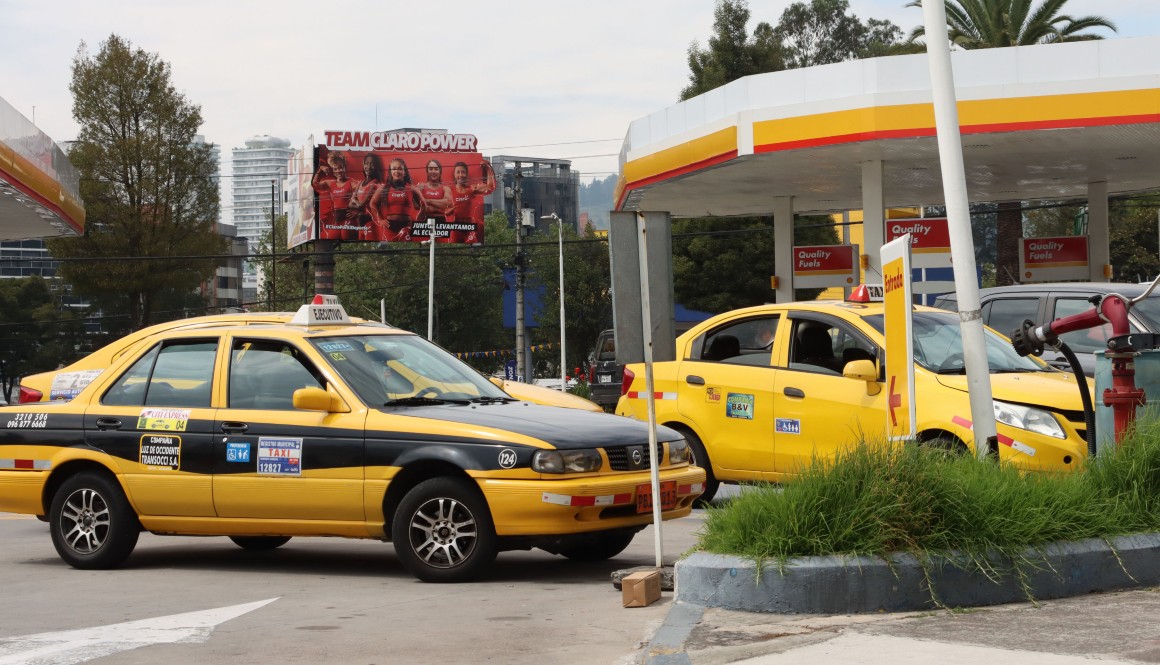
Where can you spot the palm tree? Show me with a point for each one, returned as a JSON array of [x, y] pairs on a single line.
[[997, 23]]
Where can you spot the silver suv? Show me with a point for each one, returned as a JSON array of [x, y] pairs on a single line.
[[1005, 307]]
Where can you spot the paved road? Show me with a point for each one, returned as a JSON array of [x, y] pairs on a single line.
[[334, 600]]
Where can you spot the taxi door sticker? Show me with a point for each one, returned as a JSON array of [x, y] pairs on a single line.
[[713, 395], [174, 420], [237, 452], [27, 420], [787, 425], [68, 385], [279, 456], [739, 405], [160, 451]]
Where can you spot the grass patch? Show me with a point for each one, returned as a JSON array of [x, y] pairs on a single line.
[[876, 499]]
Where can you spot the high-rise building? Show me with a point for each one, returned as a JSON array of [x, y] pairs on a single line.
[[547, 186], [256, 183]]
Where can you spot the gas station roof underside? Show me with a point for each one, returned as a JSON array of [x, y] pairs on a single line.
[[39, 188], [1037, 122]]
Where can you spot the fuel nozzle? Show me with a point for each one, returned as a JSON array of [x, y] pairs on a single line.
[[1029, 339]]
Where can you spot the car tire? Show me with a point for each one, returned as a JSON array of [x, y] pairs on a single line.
[[600, 546], [93, 527], [443, 531], [260, 543], [701, 459]]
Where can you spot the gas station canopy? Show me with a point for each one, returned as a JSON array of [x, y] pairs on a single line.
[[39, 188], [1038, 122]]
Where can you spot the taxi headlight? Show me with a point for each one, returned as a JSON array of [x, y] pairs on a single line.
[[566, 461], [1028, 418], [678, 451]]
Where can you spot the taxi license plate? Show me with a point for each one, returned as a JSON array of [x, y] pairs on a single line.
[[644, 496], [606, 378]]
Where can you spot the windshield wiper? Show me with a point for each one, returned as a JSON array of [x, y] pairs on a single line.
[[493, 400], [415, 401], [952, 370]]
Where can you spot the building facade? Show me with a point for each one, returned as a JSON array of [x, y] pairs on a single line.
[[257, 173], [546, 186]]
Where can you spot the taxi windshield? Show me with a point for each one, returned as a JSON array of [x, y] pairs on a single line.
[[403, 370], [938, 346]]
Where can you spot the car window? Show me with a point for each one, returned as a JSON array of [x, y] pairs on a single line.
[[1007, 314], [176, 374], [1083, 341], [826, 347], [747, 342], [265, 373]]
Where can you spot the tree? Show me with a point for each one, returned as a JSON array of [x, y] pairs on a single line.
[[822, 32], [974, 24], [149, 189], [732, 54], [35, 335]]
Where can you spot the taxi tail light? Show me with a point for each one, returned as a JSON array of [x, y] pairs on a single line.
[[626, 381], [29, 395]]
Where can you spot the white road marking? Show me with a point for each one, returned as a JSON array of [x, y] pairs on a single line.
[[77, 646]]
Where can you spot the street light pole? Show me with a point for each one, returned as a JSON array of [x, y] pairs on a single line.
[[563, 356], [431, 280]]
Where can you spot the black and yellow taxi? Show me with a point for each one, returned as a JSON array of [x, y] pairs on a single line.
[[761, 392], [321, 426]]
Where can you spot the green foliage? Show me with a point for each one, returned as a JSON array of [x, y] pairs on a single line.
[[823, 32], [721, 264], [875, 499], [149, 190], [998, 23], [732, 53], [35, 335], [1132, 239]]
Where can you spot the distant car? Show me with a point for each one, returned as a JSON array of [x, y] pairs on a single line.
[[604, 373], [323, 426], [1005, 307], [66, 382], [757, 407]]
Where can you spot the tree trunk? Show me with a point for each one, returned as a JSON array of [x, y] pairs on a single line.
[[1008, 232]]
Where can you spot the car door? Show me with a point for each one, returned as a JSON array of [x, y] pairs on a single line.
[[157, 420], [818, 411], [272, 461], [726, 388]]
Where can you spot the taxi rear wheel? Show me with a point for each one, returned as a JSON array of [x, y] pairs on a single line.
[[260, 543], [443, 531], [93, 526], [701, 459], [601, 546]]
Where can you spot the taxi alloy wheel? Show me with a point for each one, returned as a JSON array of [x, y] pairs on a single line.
[[93, 526], [701, 459], [443, 531], [260, 543]]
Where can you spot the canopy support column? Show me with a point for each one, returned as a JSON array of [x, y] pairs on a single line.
[[1099, 252]]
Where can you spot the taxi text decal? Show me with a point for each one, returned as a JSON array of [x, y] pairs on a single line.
[[739, 405], [787, 425], [160, 451], [173, 420], [279, 456], [237, 451], [68, 385], [27, 421], [712, 394]]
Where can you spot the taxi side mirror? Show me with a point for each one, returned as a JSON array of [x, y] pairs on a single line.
[[317, 399], [863, 370]]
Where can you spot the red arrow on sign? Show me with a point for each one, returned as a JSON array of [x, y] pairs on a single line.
[[895, 401]]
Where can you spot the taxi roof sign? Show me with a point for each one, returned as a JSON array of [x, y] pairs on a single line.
[[867, 293], [325, 310]]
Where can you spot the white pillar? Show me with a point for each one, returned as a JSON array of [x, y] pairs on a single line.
[[873, 219], [783, 248], [1099, 253]]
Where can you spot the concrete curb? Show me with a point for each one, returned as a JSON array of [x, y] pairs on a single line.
[[848, 585]]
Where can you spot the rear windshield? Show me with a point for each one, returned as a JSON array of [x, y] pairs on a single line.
[[606, 347]]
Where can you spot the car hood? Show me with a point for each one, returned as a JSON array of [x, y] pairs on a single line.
[[548, 396], [1056, 390], [560, 427]]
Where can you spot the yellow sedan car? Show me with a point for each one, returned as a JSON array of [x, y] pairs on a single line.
[[321, 426], [66, 382], [762, 391]]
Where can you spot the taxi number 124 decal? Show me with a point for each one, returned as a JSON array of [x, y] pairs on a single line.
[[668, 496]]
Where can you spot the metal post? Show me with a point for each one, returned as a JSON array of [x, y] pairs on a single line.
[[431, 280], [563, 357], [273, 248], [646, 318], [520, 343], [950, 150]]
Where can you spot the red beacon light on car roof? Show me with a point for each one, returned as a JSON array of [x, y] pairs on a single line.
[[866, 293]]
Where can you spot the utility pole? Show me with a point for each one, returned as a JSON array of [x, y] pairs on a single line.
[[521, 366], [273, 248]]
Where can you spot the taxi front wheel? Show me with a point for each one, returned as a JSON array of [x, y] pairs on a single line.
[[93, 526], [443, 531], [701, 459]]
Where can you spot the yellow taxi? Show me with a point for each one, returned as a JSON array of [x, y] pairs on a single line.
[[322, 426], [760, 392], [66, 382]]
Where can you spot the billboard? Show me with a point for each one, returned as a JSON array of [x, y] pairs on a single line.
[[392, 186], [821, 266], [299, 204], [930, 239], [1053, 259]]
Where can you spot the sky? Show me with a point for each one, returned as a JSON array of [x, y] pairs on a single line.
[[535, 78]]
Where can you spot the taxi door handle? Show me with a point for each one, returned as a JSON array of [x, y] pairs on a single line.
[[793, 392], [108, 423], [694, 380], [234, 428]]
